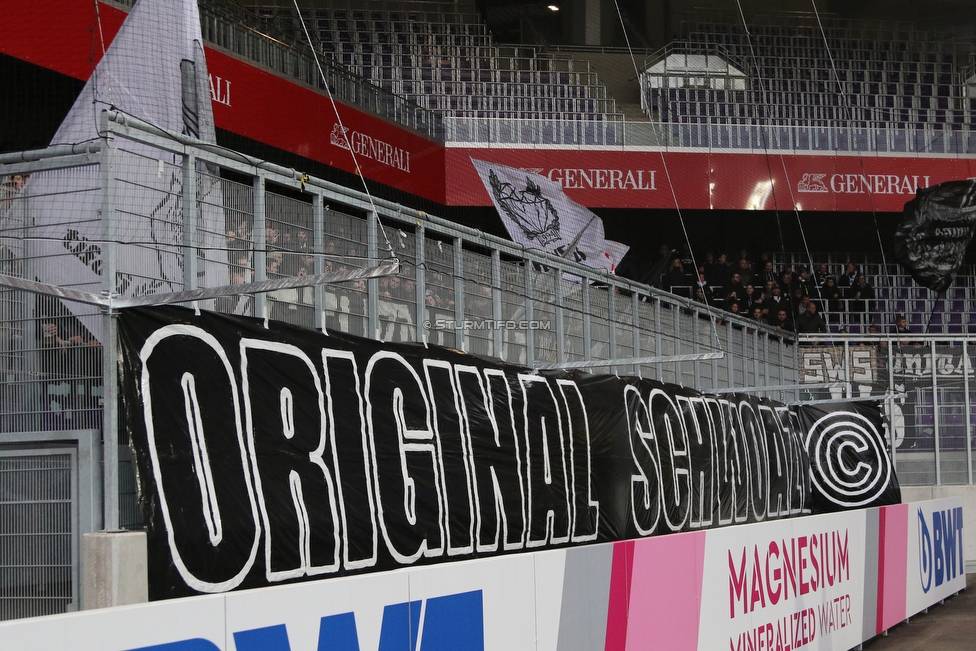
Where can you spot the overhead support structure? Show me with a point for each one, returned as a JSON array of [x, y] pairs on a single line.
[[632, 361]]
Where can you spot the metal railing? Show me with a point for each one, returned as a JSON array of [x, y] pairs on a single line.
[[925, 385], [458, 287], [230, 32], [753, 138]]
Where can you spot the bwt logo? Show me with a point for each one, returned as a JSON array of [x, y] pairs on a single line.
[[453, 622], [940, 554]]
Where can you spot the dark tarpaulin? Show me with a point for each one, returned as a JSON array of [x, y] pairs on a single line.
[[931, 241], [850, 463], [273, 454]]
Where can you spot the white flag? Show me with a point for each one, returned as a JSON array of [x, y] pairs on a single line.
[[539, 215], [154, 70]]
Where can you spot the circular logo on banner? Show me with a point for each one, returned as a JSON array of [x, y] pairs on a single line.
[[848, 461]]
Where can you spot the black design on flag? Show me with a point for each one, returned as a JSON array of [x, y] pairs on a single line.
[[528, 209], [937, 227], [538, 214]]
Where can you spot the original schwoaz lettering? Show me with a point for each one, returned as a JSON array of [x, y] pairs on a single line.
[[303, 461]]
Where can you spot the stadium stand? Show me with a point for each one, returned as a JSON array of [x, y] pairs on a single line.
[[875, 78], [443, 58]]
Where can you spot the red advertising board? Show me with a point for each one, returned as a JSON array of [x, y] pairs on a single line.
[[289, 115], [61, 35], [706, 180]]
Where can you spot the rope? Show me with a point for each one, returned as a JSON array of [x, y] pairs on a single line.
[[674, 196], [860, 159], [335, 108]]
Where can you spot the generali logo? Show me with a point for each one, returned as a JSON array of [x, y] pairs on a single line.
[[812, 182], [599, 178], [367, 146], [220, 90]]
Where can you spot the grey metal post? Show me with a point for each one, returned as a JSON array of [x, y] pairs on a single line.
[[420, 244], [635, 327], [657, 338], [318, 246], [587, 335], [695, 347], [190, 221], [459, 334], [935, 418], [968, 408], [372, 284], [611, 325], [110, 390], [891, 400], [728, 346], [260, 246], [529, 338], [757, 341], [496, 300], [847, 368]]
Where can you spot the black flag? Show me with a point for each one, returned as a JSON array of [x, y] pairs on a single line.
[[938, 225]]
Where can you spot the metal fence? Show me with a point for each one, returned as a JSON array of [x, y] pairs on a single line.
[[757, 137], [457, 287], [925, 385]]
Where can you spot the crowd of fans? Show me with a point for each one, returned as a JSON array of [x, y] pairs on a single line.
[[798, 298]]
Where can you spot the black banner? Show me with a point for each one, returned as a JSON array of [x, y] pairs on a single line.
[[849, 462], [275, 454]]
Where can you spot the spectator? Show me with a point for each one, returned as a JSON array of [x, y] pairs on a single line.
[[736, 286], [787, 283], [901, 324], [767, 274], [902, 327], [833, 295], [745, 271], [721, 271], [806, 283], [705, 289], [810, 321], [801, 304], [760, 301], [850, 275], [271, 236], [750, 297], [859, 294], [302, 245], [781, 320], [701, 297], [776, 300], [677, 281], [820, 275]]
